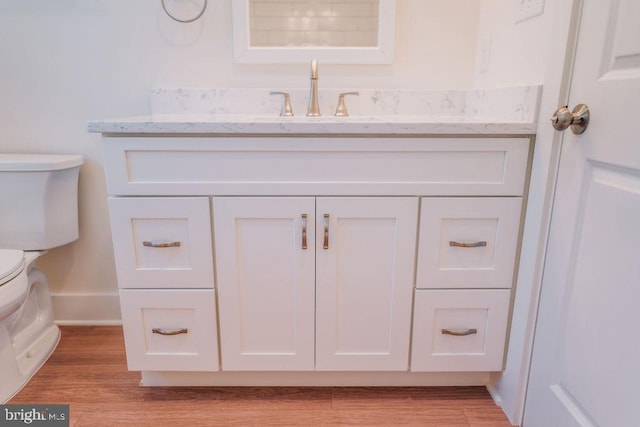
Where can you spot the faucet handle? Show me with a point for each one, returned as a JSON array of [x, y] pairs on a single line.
[[286, 107], [341, 110]]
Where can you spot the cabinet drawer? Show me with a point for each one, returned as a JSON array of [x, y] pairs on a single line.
[[162, 242], [170, 330], [296, 165], [459, 330], [468, 242]]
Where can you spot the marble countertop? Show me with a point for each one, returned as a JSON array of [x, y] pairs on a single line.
[[507, 111], [356, 125]]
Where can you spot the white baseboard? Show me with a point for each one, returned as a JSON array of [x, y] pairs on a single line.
[[84, 309], [495, 395]]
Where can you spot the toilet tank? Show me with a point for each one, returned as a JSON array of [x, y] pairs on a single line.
[[38, 200]]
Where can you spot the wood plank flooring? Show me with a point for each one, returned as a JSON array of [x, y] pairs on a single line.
[[88, 371]]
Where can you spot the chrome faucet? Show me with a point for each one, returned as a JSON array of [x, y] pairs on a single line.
[[314, 107]]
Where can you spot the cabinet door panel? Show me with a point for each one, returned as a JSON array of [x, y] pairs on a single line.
[[364, 282], [266, 282]]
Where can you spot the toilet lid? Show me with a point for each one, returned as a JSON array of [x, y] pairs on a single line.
[[11, 264]]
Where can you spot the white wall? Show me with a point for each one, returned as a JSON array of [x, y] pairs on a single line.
[[65, 62], [510, 51]]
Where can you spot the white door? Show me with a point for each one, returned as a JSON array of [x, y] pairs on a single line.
[[586, 359], [266, 280], [365, 254]]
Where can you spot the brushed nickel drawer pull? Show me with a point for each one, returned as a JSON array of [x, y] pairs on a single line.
[[459, 333], [325, 243], [161, 245], [170, 331], [468, 245], [304, 231]]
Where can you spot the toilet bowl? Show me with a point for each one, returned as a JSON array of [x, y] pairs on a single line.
[[13, 281], [39, 212]]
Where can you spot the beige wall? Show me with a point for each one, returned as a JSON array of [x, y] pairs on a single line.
[[65, 62]]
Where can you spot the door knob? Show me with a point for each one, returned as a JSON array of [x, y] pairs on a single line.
[[578, 119]]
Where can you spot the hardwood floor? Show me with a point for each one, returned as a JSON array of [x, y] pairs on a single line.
[[88, 371]]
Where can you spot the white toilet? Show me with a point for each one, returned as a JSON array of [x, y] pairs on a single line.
[[38, 211]]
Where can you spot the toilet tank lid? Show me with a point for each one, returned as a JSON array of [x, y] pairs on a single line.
[[38, 162]]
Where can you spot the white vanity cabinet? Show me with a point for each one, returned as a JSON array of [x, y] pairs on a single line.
[[315, 283], [304, 254]]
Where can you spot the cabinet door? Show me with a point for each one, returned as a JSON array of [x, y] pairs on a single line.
[[365, 251], [265, 282]]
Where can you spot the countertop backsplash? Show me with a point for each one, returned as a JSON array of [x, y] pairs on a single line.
[[517, 104]]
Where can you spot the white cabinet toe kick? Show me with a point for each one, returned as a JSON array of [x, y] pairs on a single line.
[[311, 260]]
